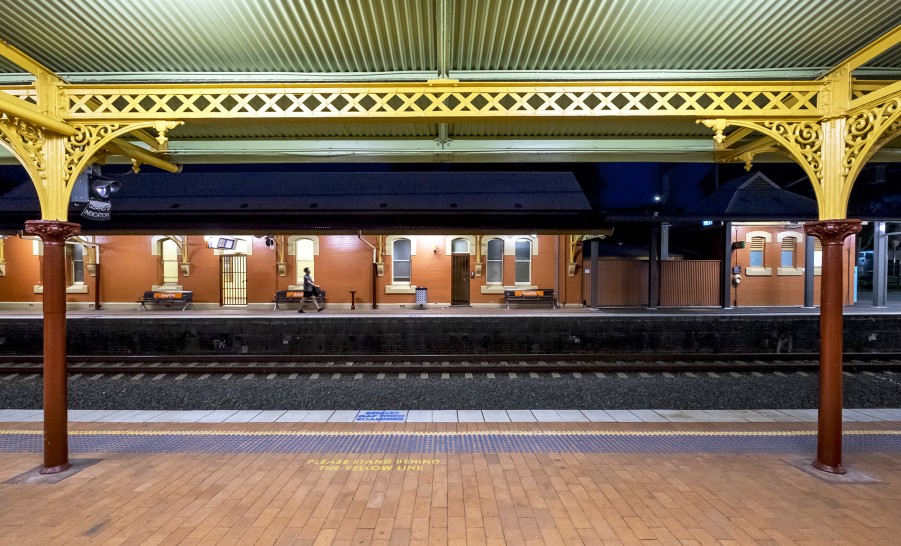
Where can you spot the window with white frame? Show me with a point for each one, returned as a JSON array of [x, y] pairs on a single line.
[[459, 246], [523, 261], [495, 262], [169, 255], [304, 252], [787, 253], [400, 261], [757, 252], [75, 261], [756, 242]]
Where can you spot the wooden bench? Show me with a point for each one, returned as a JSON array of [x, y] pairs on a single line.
[[167, 298], [294, 296], [540, 295]]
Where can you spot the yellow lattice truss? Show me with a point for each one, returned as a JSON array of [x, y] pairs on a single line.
[[831, 127], [444, 100]]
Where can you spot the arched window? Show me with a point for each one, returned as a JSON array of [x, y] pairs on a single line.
[[523, 261], [495, 262], [400, 262], [169, 255], [787, 255], [304, 251], [757, 250], [459, 246]]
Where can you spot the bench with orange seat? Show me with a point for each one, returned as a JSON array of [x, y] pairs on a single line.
[[167, 298], [530, 296]]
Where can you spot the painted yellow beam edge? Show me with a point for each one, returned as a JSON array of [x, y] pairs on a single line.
[[18, 108]]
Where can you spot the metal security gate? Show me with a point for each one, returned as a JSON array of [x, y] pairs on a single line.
[[233, 279], [460, 279]]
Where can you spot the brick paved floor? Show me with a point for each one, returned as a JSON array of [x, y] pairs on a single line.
[[455, 498]]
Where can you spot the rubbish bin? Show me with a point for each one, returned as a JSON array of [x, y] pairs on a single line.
[[422, 296]]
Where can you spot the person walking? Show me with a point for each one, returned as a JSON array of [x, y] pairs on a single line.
[[309, 291]]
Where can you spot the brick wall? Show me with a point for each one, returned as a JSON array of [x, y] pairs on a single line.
[[344, 263], [775, 289]]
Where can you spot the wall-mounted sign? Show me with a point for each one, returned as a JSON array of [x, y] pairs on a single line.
[[97, 210]]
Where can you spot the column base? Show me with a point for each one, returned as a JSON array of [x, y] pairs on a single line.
[[823, 467], [56, 469]]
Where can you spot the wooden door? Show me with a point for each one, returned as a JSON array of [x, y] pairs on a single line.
[[460, 279]]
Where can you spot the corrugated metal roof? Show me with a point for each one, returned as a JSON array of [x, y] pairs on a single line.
[[7, 67], [524, 129], [383, 40], [395, 36], [250, 129], [657, 35], [581, 128], [216, 36]]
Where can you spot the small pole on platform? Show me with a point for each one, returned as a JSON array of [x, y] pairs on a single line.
[[375, 291], [809, 270], [97, 285], [726, 288], [353, 294], [654, 267]]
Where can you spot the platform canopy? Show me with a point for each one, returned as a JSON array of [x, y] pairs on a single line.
[[181, 82], [444, 80]]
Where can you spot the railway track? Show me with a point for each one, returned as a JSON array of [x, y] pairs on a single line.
[[219, 364]]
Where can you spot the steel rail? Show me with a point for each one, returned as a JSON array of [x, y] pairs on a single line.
[[368, 364]]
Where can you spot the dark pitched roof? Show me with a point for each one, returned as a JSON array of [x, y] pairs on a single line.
[[337, 191], [754, 196]]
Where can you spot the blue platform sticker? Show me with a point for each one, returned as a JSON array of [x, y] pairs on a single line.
[[381, 416]]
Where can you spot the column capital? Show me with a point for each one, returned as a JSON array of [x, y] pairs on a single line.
[[832, 232], [52, 232]]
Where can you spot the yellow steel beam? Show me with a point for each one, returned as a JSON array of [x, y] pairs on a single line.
[[25, 62], [141, 155], [879, 46], [870, 100], [735, 136], [442, 100], [754, 148], [18, 108]]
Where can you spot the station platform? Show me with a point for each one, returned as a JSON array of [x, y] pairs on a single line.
[[452, 331], [707, 481]]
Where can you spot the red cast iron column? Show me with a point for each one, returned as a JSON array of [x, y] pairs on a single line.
[[831, 234], [56, 442]]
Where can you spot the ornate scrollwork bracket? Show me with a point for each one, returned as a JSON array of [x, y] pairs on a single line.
[[718, 126], [802, 140], [867, 131], [26, 141], [90, 139]]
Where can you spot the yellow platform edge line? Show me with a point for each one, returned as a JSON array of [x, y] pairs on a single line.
[[450, 433]]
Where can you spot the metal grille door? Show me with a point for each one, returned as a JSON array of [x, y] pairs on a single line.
[[233, 276], [460, 279]]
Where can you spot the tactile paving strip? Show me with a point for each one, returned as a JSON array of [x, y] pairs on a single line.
[[448, 442]]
